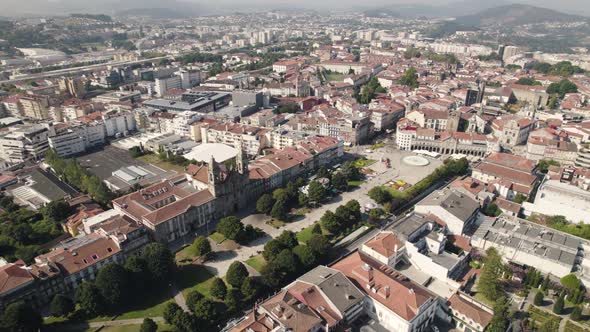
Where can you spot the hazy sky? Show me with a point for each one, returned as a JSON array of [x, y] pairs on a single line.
[[11, 7]]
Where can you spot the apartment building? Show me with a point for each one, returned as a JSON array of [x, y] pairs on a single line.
[[25, 142]]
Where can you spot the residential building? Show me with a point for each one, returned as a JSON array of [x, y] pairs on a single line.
[[458, 210], [509, 174], [25, 142]]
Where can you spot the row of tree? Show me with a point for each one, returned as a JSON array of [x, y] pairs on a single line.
[[206, 313], [345, 217], [286, 258], [232, 228], [73, 173], [23, 232]]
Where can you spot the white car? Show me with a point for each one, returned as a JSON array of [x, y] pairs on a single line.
[[435, 329]]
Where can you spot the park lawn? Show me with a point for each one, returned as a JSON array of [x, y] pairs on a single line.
[[194, 277], [152, 304], [355, 184], [334, 76], [541, 316], [362, 163], [573, 327], [162, 327], [483, 299], [276, 223], [154, 160], [376, 146], [395, 193], [217, 237], [257, 262], [187, 253]]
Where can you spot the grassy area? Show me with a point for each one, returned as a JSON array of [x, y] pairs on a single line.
[[395, 193], [573, 327], [355, 184], [305, 234], [541, 316], [162, 327], [376, 146], [334, 76], [217, 237], [151, 305], [276, 223], [301, 212], [194, 277], [257, 262], [484, 300], [362, 163], [154, 160]]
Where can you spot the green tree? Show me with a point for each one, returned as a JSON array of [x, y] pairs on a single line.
[[379, 195], [231, 227], [250, 288], [171, 312], [90, 299], [113, 282], [233, 299], [193, 297], [56, 211], [279, 210], [271, 249], [288, 239], [339, 181], [570, 282], [20, 317], [236, 274], [527, 81], [316, 192], [354, 208], [558, 305], [280, 195], [148, 325], [538, 301], [201, 246], [500, 320], [302, 199], [545, 283], [492, 210], [350, 171], [562, 88], [375, 214], [491, 272], [265, 204], [206, 310], [286, 262], [61, 306], [576, 314], [410, 78], [319, 244], [550, 325], [159, 261], [305, 255], [323, 173], [330, 222], [218, 289], [138, 272]]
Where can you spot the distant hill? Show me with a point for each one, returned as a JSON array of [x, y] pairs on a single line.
[[161, 13], [516, 14], [381, 12]]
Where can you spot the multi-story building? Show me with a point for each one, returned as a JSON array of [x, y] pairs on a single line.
[[353, 130], [35, 107], [26, 142], [512, 131], [439, 120], [458, 210], [75, 87], [189, 202], [509, 174], [76, 138]]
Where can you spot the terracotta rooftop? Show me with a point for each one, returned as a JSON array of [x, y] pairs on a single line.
[[383, 284], [13, 276], [385, 243], [471, 309]]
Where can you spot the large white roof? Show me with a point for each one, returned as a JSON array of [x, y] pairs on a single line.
[[203, 152]]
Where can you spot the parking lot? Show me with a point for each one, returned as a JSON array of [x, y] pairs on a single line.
[[108, 159]]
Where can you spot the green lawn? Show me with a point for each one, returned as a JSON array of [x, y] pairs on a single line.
[[154, 160], [162, 327], [194, 277], [541, 316], [483, 299], [217, 237], [362, 163], [376, 146], [276, 223], [304, 235], [572, 327], [151, 305], [334, 76], [395, 193], [355, 184], [257, 262]]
